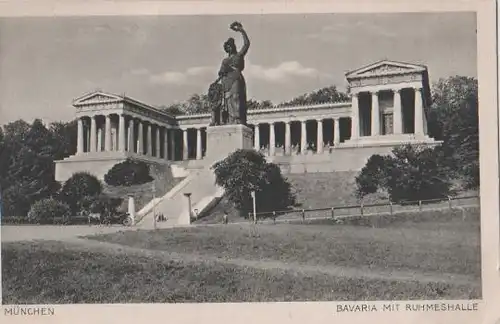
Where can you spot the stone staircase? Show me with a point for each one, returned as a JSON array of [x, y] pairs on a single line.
[[174, 204]]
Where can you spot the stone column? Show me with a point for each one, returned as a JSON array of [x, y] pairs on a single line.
[[107, 134], [397, 115], [149, 140], [288, 138], [336, 131], [121, 133], [303, 137], [165, 143], [130, 138], [79, 144], [419, 112], [185, 149], [256, 137], [172, 144], [158, 147], [140, 138], [99, 139], [319, 137], [93, 134], [272, 140], [375, 114], [198, 144], [355, 116]]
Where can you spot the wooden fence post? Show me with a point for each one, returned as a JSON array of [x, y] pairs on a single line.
[[361, 209], [333, 212], [303, 215]]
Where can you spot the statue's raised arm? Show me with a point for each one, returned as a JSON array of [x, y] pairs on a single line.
[[238, 27]]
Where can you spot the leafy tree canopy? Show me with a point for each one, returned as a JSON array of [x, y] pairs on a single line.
[[454, 119], [327, 94], [27, 154], [198, 104], [410, 173], [245, 171], [127, 173]]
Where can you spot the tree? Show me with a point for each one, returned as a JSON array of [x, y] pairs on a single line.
[[27, 170], [127, 173], [410, 173], [454, 119], [372, 176], [79, 187], [245, 171], [197, 104], [327, 94], [64, 139], [255, 104], [174, 109]]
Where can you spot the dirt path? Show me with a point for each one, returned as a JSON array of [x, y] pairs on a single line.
[[336, 271]]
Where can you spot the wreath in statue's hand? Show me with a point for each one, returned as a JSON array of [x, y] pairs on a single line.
[[236, 26]]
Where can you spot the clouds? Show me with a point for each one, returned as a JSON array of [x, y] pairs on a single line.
[[343, 31], [189, 76], [280, 73]]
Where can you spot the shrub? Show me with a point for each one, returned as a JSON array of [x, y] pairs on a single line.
[[105, 204], [45, 210], [79, 186], [372, 176], [245, 171], [411, 173], [127, 173]]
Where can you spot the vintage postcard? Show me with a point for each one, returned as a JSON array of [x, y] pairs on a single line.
[[249, 162]]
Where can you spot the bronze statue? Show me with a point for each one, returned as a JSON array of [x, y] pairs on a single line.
[[230, 105]]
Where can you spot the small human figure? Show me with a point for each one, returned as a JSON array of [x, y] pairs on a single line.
[[225, 217]]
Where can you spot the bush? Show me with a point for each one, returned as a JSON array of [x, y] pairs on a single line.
[[106, 205], [245, 171], [411, 173], [45, 210], [127, 173], [372, 176], [15, 201], [77, 188]]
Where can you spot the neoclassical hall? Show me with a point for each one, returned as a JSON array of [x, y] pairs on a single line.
[[387, 107]]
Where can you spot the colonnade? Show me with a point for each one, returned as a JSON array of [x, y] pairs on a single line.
[[376, 125], [121, 132], [304, 143], [107, 133]]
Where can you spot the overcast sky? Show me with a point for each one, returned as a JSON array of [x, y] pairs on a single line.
[[47, 62]]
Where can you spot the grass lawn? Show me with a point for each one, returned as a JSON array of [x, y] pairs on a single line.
[[451, 245], [55, 272], [49, 272]]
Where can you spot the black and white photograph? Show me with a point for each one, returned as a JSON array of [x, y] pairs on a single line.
[[240, 158]]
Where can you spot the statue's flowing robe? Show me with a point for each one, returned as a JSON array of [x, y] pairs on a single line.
[[234, 88]]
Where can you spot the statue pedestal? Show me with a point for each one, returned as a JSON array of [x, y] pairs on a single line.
[[224, 140]]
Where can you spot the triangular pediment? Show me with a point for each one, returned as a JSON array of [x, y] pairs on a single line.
[[385, 68], [96, 97]]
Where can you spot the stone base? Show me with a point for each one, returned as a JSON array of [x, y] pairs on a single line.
[[389, 140], [351, 155], [96, 163], [224, 140]]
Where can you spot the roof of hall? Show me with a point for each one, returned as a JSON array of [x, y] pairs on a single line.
[[409, 67], [278, 108]]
